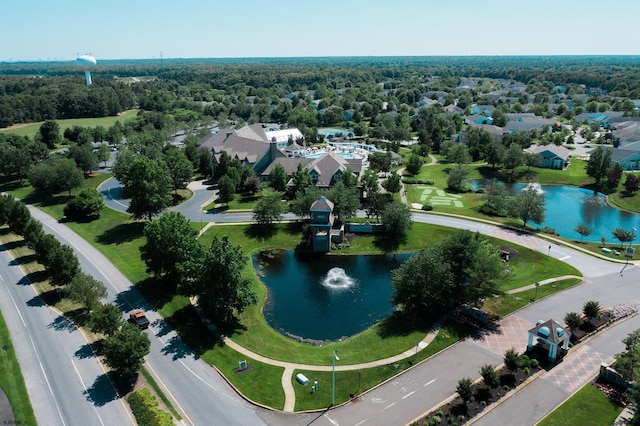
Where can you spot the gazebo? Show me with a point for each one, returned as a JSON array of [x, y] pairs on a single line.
[[550, 333]]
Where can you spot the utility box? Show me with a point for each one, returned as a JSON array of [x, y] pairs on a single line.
[[302, 379]]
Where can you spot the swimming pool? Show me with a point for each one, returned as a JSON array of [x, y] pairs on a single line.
[[334, 132], [346, 155]]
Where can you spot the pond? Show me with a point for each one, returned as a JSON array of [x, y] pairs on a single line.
[[567, 207], [316, 299]]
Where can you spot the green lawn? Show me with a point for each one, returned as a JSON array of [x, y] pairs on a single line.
[[588, 406], [11, 379], [30, 129], [120, 239]]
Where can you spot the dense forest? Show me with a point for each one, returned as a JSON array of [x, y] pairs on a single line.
[[255, 89]]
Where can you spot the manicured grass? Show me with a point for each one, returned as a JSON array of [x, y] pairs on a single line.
[[11, 379], [30, 129], [508, 303], [588, 406], [119, 239], [352, 383]]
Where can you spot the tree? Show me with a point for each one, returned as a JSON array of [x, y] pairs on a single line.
[[528, 205], [573, 320], [397, 221], [147, 184], [301, 204], [414, 164], [104, 153], [179, 167], [226, 189], [458, 153], [422, 285], [476, 266], [496, 199], [33, 232], [345, 201], [278, 178], [583, 230], [591, 309], [171, 240], [457, 179], [392, 184], [88, 203], [376, 204], [269, 207], [465, 388], [62, 265], [631, 183], [623, 236], [86, 290], [369, 181], [45, 245], [301, 179], [106, 319], [598, 163], [513, 157], [489, 375], [252, 185], [380, 161], [49, 133], [123, 163], [511, 360], [349, 178], [67, 175], [124, 351], [18, 216], [218, 282], [531, 159], [614, 175], [494, 153], [84, 157]]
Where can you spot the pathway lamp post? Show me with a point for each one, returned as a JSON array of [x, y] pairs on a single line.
[[334, 358]]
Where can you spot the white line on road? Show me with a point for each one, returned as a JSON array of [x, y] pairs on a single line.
[[389, 406], [114, 200], [408, 395], [333, 422], [359, 423], [86, 391], [428, 383], [35, 351], [1, 278], [563, 258]]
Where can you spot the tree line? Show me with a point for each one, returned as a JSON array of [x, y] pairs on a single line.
[[125, 346]]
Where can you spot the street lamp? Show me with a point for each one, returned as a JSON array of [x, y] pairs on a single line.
[[334, 358]]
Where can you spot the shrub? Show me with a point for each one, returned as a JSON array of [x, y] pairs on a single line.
[[437, 419], [549, 230], [416, 181], [511, 360], [427, 207], [526, 371], [465, 388], [534, 363], [145, 407], [591, 309], [525, 362], [489, 375]]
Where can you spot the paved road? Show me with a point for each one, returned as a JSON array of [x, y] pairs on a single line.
[[200, 394], [397, 401], [66, 384]]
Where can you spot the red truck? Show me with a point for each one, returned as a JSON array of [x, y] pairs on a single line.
[[137, 317]]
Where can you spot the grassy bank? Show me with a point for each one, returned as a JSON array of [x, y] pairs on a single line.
[[30, 129], [588, 406]]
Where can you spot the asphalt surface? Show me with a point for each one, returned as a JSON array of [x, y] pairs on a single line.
[[203, 397], [197, 391], [66, 384]]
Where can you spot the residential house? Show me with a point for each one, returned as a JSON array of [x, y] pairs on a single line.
[[552, 156], [628, 159]]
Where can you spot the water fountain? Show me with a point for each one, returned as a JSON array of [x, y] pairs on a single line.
[[337, 279]]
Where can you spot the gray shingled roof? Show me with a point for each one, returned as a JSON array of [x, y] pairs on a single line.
[[322, 205], [559, 151]]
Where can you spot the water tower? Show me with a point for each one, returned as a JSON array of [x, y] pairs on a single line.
[[86, 62]]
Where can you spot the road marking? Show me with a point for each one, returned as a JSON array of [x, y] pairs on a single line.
[[408, 395], [113, 199], [428, 383], [184, 413], [333, 422], [46, 379], [358, 424], [1, 278], [389, 406], [86, 391], [563, 258]]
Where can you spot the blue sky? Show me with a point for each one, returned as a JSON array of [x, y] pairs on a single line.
[[118, 29]]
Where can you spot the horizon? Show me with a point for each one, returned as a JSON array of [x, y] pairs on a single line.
[[42, 31], [227, 58]]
